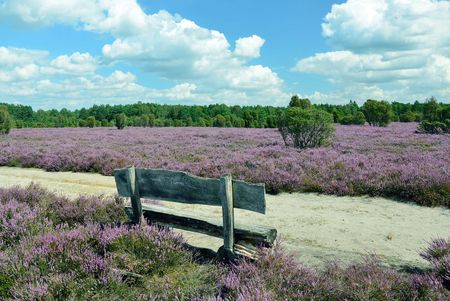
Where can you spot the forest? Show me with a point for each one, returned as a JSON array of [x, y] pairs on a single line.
[[217, 115]]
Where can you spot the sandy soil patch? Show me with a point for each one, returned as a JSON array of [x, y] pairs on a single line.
[[315, 228]]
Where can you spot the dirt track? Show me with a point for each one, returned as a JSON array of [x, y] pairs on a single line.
[[314, 227]]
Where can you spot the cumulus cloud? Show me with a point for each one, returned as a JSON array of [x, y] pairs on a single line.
[[367, 25], [22, 64], [77, 63], [399, 49], [249, 47], [168, 45], [10, 56], [72, 80]]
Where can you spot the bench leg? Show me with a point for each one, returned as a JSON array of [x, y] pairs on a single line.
[[228, 215], [136, 204]]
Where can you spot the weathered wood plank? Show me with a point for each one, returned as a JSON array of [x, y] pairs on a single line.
[[186, 220], [249, 196], [183, 187], [246, 249], [226, 191], [135, 198], [179, 187], [121, 177]]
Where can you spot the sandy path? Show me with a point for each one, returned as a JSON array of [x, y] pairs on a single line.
[[314, 227]]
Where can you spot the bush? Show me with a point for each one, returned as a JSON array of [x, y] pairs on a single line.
[[378, 113], [121, 121], [5, 121], [357, 118], [18, 124], [90, 121], [347, 119], [305, 128], [436, 118], [438, 255], [433, 127], [297, 102], [431, 110], [408, 117], [219, 121]]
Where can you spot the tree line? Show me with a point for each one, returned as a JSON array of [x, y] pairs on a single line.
[[374, 112]]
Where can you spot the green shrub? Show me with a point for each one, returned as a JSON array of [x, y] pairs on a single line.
[[357, 118], [434, 127], [219, 121], [104, 123], [121, 121], [436, 118], [297, 102], [6, 283], [378, 113], [408, 117], [5, 121], [347, 119], [305, 128], [18, 124], [90, 121]]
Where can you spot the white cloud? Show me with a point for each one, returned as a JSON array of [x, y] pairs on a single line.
[[18, 64], [397, 48], [182, 91], [71, 80], [364, 25], [77, 63], [364, 68], [249, 47], [168, 45], [10, 56], [36, 13]]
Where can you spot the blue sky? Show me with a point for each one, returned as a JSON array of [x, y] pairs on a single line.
[[75, 53]]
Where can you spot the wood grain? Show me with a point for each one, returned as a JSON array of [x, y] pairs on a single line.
[[183, 187]]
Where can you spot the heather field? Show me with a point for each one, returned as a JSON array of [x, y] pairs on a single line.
[[393, 161], [53, 248]]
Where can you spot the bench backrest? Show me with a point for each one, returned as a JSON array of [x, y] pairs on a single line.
[[183, 187]]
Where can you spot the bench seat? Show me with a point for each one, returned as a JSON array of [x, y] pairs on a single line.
[[253, 234]]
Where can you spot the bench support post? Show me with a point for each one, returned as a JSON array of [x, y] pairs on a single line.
[[135, 198], [228, 216]]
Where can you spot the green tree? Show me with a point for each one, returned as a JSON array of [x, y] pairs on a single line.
[[121, 121], [347, 119], [151, 120], [305, 128], [104, 123], [90, 121], [359, 118], [60, 121], [431, 110], [377, 113], [5, 120], [303, 103], [145, 121], [408, 117], [436, 117], [219, 121], [18, 123]]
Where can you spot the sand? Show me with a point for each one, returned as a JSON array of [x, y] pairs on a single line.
[[315, 228]]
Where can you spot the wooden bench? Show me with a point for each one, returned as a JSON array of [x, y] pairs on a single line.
[[182, 187]]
